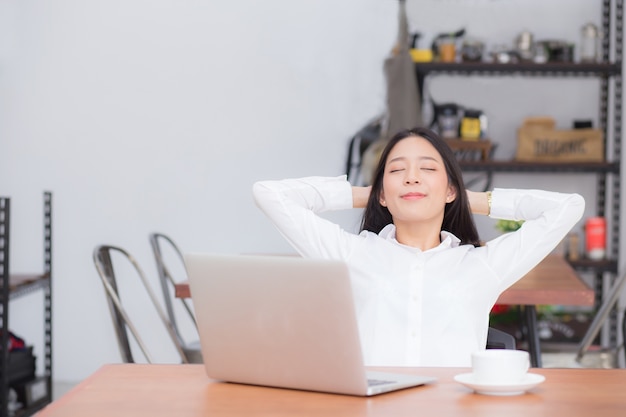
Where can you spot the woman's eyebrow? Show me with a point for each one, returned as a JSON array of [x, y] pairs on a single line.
[[397, 158], [421, 158]]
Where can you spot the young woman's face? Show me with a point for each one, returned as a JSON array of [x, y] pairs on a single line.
[[415, 182]]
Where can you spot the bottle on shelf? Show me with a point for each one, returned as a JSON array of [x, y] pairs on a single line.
[[595, 238]]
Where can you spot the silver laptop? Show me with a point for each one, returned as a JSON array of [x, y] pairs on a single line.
[[282, 321]]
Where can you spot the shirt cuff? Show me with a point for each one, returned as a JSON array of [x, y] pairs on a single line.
[[503, 203]]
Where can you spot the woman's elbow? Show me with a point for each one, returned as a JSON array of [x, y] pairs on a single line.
[[577, 204], [259, 191]]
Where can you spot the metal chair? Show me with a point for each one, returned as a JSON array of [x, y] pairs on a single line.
[[103, 259], [497, 339], [602, 314], [163, 245]]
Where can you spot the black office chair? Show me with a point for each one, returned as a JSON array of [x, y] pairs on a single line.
[[103, 256], [165, 250], [497, 339]]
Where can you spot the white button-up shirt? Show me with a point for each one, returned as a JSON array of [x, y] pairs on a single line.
[[420, 308]]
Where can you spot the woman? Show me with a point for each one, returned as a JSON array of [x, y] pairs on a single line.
[[423, 286]]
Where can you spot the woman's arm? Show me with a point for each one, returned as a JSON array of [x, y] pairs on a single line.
[[294, 205], [360, 195], [479, 202], [548, 217]]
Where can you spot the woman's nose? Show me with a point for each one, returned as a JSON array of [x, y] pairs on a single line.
[[412, 177]]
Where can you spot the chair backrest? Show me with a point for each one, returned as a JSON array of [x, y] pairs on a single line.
[[497, 339], [163, 245], [103, 256]]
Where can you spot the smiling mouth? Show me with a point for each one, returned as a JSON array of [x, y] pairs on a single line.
[[413, 196]]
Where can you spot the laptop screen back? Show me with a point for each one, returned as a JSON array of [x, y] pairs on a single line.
[[277, 321]]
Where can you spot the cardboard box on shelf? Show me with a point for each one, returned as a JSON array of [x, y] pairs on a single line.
[[539, 141]]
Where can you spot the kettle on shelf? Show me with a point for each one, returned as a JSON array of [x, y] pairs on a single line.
[[452, 120], [446, 118]]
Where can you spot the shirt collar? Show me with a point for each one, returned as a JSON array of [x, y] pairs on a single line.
[[448, 240]]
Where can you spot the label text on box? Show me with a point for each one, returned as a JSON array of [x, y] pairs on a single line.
[[547, 147]]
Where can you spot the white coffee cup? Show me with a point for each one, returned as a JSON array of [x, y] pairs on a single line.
[[500, 366]]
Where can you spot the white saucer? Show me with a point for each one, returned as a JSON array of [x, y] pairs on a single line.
[[529, 381]]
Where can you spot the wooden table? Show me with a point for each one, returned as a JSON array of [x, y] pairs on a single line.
[[552, 282], [184, 391]]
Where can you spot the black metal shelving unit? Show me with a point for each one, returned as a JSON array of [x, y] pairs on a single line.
[[13, 286], [608, 174], [517, 166]]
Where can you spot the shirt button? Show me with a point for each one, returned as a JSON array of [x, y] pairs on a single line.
[[413, 334], [414, 298]]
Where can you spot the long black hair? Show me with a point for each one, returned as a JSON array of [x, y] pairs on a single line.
[[457, 218]]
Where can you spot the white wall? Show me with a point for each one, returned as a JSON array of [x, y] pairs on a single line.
[[158, 115], [146, 116]]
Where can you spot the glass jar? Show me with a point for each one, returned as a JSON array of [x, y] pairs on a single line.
[[447, 49], [590, 43]]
